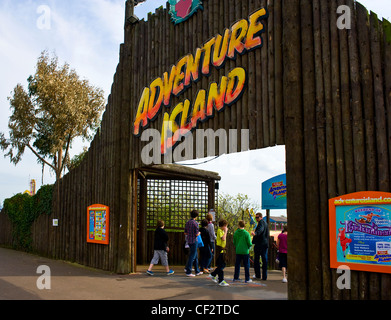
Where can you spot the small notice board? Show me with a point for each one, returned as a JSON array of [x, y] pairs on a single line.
[[98, 224], [360, 231]]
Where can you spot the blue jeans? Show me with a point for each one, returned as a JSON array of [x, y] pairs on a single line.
[[246, 262], [193, 258], [205, 256], [212, 253], [260, 252]]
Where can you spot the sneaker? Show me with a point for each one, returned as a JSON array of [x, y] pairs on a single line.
[[213, 278], [190, 275], [284, 280], [150, 273], [205, 270], [236, 280], [248, 281], [199, 273], [255, 277], [169, 273], [223, 284]]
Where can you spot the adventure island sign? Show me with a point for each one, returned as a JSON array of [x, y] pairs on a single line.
[[243, 36]]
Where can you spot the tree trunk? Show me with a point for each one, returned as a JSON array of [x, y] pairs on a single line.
[[59, 165]]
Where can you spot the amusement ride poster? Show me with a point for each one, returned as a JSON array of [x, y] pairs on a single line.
[[360, 231], [98, 224]]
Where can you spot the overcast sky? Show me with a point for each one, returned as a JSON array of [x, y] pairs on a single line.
[[87, 34]]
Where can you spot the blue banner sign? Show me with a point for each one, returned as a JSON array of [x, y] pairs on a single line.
[[274, 193]]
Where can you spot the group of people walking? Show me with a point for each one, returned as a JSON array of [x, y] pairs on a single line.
[[215, 244]]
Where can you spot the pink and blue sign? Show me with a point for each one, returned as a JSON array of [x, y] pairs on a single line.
[[181, 10]]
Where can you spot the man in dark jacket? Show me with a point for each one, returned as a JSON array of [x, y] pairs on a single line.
[[261, 245]]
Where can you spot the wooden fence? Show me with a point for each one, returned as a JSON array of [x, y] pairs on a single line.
[[322, 91]]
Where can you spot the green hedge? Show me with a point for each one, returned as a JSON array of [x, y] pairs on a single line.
[[23, 210]]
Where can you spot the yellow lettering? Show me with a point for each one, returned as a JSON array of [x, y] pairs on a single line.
[[256, 27], [236, 85], [216, 96], [142, 112], [193, 67], [154, 107], [208, 51], [239, 31], [220, 49], [180, 75]]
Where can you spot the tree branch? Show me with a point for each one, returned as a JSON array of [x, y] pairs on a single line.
[[66, 152], [40, 158]]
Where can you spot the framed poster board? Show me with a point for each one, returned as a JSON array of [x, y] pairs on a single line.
[[360, 231], [98, 224]]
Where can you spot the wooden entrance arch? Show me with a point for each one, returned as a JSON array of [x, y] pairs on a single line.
[[321, 91]]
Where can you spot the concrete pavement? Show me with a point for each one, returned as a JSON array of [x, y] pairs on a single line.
[[18, 281]]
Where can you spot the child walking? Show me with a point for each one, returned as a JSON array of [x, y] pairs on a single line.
[[282, 246], [221, 242], [212, 235], [160, 249], [242, 243], [205, 251]]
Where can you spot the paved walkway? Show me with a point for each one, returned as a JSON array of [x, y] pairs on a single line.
[[18, 281]]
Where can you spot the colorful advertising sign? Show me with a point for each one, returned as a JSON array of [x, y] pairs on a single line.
[[360, 231], [242, 37], [274, 193], [98, 224]]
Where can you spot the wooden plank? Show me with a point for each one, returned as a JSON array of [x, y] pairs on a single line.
[[270, 72], [310, 147], [258, 93], [330, 130], [298, 278], [382, 143], [386, 279], [321, 143], [346, 108], [252, 108], [265, 88], [380, 110], [244, 109], [278, 64], [336, 101], [367, 94], [358, 123]]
